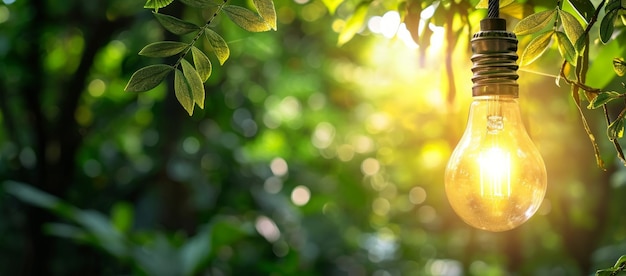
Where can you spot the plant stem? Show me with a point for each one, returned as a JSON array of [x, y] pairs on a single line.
[[200, 33]]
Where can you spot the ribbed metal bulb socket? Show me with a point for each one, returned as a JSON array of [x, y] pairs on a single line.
[[494, 56]]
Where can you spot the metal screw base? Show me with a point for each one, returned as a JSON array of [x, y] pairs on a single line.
[[495, 70]]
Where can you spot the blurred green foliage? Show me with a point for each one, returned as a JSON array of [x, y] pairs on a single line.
[[307, 159]]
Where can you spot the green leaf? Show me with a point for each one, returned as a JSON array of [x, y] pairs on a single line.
[[157, 4], [163, 49], [220, 48], [202, 63], [534, 22], [605, 272], [195, 83], [196, 251], [267, 11], [354, 23], [30, 194], [612, 5], [332, 5], [122, 216], [607, 25], [603, 98], [148, 77], [620, 261], [175, 25], [536, 48], [619, 66], [201, 4], [246, 19], [573, 28], [183, 91], [584, 8], [566, 49], [616, 129]]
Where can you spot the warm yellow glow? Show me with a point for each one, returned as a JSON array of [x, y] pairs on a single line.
[[495, 179], [495, 173]]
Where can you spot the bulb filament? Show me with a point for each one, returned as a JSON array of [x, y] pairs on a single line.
[[495, 173]]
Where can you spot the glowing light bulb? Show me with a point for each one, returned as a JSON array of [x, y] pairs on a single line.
[[495, 179]]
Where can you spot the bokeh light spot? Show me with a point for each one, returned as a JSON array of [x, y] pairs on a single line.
[[267, 228], [323, 135], [381, 206], [300, 195], [191, 145], [417, 195], [279, 166], [96, 88], [273, 185], [370, 166]]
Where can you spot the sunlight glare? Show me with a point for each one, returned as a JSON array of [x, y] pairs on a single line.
[[389, 24]]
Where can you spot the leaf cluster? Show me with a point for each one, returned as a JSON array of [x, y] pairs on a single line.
[[571, 34], [189, 77]]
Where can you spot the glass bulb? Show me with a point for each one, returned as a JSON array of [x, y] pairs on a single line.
[[496, 178]]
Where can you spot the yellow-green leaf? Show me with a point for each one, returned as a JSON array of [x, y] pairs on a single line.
[[584, 8], [183, 91], [534, 22], [332, 5], [220, 48], [175, 25], [619, 66], [573, 28], [148, 77], [536, 48], [246, 19], [157, 4], [616, 129], [163, 49], [566, 49], [267, 11], [603, 98], [202, 63], [353, 24], [195, 83]]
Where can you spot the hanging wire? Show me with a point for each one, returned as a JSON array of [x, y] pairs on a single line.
[[493, 10]]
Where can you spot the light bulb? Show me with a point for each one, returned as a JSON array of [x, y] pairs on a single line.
[[495, 179]]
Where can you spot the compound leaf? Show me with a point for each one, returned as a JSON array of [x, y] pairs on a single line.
[[163, 49], [536, 48], [175, 25], [572, 27], [534, 22], [220, 48], [246, 19], [267, 11], [148, 77], [202, 63], [183, 91], [195, 83], [566, 49]]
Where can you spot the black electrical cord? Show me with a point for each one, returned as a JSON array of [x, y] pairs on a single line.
[[493, 10]]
